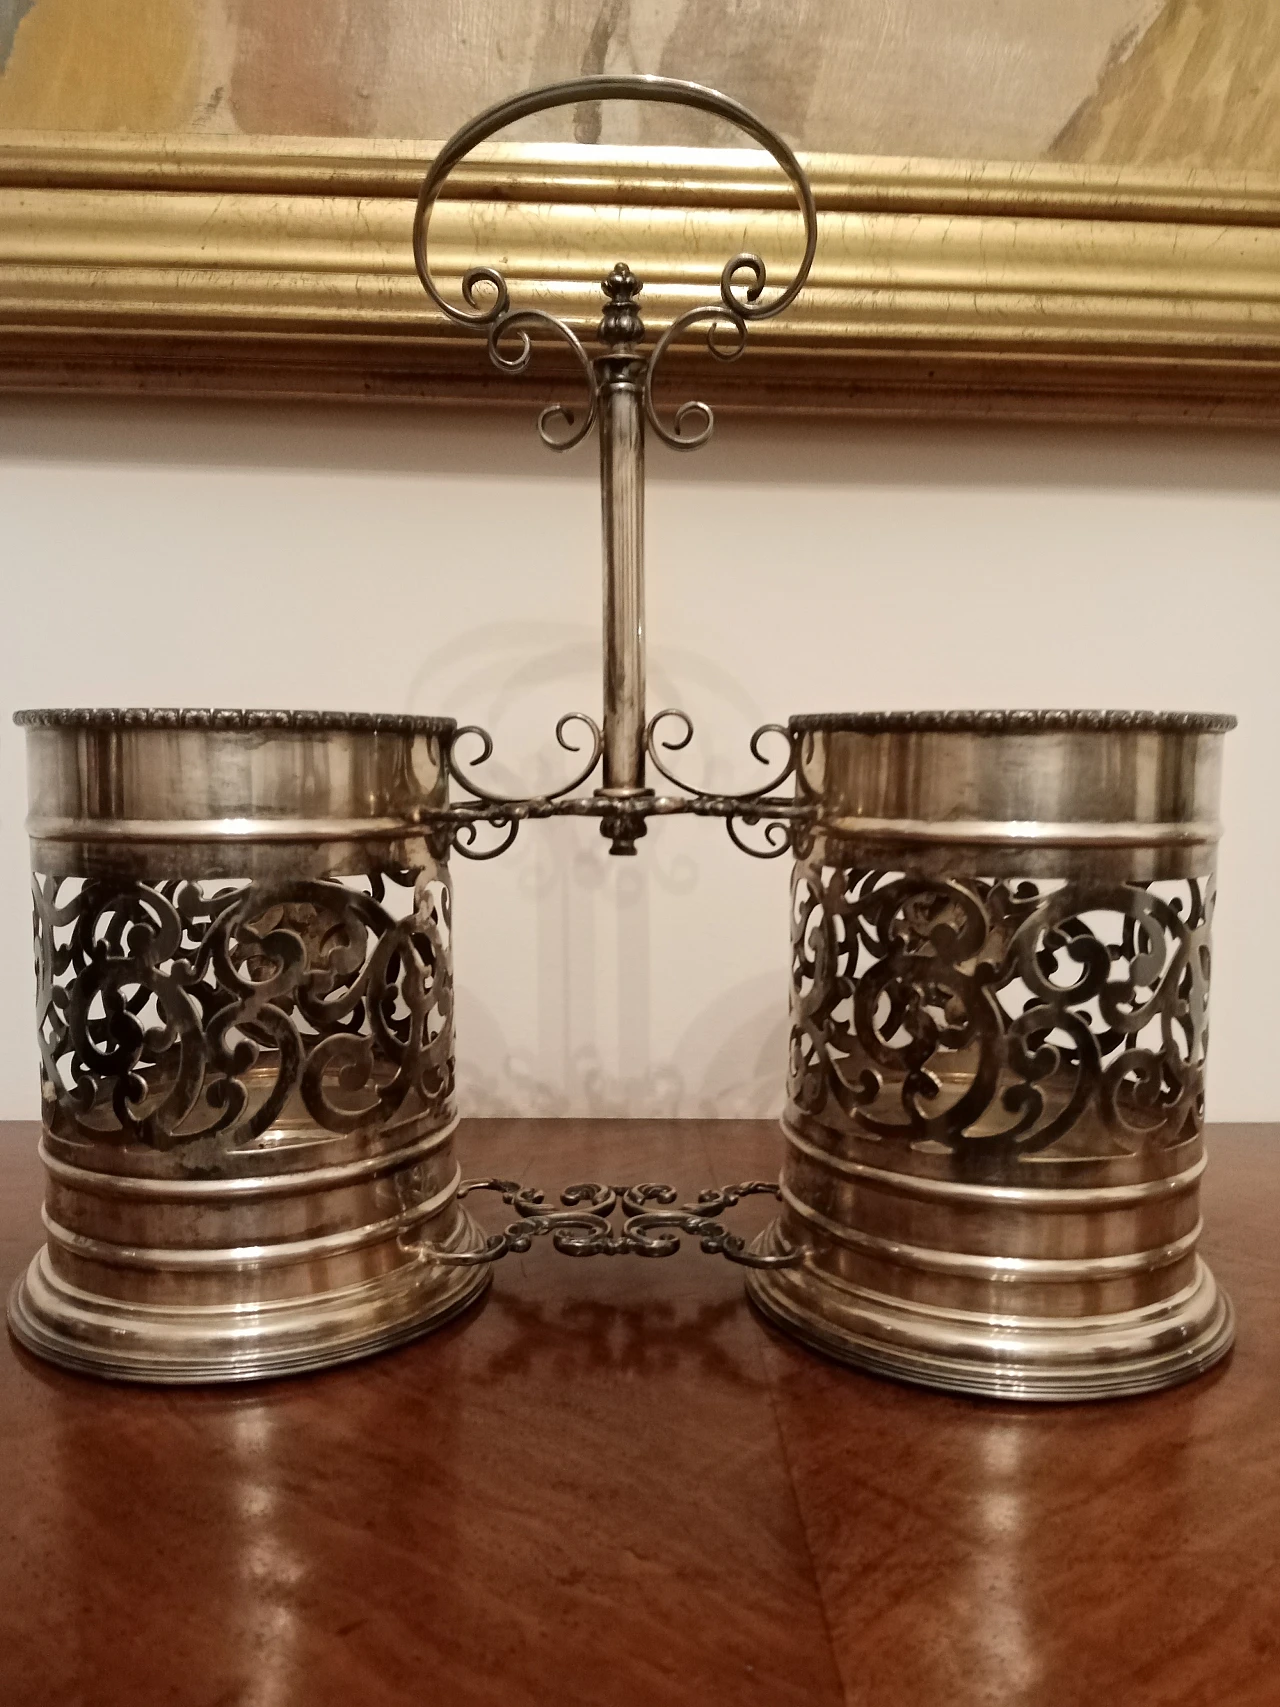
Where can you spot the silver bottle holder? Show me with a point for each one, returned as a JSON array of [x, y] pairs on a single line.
[[1001, 934], [245, 1029]]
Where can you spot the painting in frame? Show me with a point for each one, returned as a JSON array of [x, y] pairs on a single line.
[[1030, 211]]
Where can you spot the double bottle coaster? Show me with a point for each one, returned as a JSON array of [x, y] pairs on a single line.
[[1000, 964]]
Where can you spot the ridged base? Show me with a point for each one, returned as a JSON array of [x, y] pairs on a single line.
[[174, 1345], [1040, 1359]]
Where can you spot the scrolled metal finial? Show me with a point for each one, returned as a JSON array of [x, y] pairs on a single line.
[[742, 282], [621, 323]]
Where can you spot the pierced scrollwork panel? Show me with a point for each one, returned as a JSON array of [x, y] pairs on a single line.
[[651, 1225], [196, 1012], [998, 1018]]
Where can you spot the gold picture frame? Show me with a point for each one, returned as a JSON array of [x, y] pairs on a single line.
[[273, 267]]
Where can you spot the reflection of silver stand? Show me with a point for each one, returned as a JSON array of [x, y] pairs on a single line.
[[619, 387], [1000, 934]]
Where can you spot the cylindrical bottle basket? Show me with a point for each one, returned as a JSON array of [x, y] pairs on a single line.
[[244, 1018], [995, 1103]]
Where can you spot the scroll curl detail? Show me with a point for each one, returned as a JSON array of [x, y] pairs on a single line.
[[678, 742], [652, 1223], [675, 435], [518, 326], [595, 745]]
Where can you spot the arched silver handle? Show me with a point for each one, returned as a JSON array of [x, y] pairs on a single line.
[[742, 281]]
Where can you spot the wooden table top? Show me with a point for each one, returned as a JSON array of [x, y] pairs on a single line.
[[612, 1483]]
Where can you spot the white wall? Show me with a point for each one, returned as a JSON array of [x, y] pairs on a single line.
[[172, 554]]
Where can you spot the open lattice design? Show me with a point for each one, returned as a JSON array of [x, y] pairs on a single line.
[[1000, 1017], [183, 1011]]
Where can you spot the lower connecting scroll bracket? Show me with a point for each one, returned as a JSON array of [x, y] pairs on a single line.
[[652, 1222]]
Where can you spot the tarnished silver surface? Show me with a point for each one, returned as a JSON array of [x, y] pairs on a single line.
[[622, 501], [1001, 955], [1001, 941], [245, 1023], [651, 1225]]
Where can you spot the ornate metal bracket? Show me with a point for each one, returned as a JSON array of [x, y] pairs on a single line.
[[583, 1226], [619, 400], [623, 819]]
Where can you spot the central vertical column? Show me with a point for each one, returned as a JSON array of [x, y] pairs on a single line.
[[619, 381], [622, 503]]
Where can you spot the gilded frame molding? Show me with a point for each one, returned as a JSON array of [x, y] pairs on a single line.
[[272, 267]]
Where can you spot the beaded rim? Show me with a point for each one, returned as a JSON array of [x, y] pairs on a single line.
[[1013, 722], [321, 722]]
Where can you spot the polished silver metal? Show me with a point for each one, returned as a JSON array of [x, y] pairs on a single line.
[[619, 397], [622, 497], [736, 305], [1001, 928], [1001, 940], [245, 1025]]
